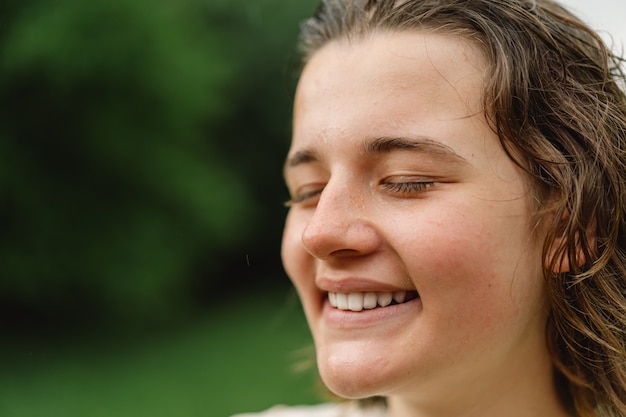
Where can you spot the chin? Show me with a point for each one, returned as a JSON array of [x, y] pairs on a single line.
[[350, 374]]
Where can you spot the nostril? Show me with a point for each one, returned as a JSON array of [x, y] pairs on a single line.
[[345, 252]]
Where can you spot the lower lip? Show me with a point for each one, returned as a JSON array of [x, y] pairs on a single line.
[[348, 319]]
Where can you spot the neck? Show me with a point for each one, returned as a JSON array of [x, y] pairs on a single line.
[[529, 391]]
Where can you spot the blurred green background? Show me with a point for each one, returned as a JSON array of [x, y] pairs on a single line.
[[141, 148]]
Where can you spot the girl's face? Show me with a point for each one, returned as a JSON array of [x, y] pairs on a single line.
[[401, 190]]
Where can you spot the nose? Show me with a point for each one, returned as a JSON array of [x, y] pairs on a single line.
[[340, 225]]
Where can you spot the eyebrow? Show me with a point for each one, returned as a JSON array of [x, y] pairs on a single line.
[[301, 157], [385, 145], [423, 144]]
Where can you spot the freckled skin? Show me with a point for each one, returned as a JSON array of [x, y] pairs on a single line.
[[475, 345]]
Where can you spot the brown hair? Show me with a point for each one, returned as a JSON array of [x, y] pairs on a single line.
[[553, 96]]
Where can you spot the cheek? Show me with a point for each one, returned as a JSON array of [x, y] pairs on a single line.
[[300, 267], [474, 274], [298, 263], [462, 280]]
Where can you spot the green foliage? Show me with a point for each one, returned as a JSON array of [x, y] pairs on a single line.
[[140, 142], [239, 358]]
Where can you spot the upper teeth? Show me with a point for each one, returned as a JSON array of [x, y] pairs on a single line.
[[357, 301]]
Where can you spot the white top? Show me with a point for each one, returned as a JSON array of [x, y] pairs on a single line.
[[346, 409]]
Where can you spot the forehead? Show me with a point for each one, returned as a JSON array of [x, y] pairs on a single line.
[[388, 83], [408, 54]]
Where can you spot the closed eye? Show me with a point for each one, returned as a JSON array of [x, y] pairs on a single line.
[[302, 197], [409, 188]]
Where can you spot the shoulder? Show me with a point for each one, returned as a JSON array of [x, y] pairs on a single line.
[[347, 409]]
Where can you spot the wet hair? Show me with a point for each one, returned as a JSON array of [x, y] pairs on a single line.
[[554, 94]]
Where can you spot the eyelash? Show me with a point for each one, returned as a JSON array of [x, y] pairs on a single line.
[[407, 187], [302, 197]]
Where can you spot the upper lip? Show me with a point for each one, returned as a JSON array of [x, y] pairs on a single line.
[[355, 284]]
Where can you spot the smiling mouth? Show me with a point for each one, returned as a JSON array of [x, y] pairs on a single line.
[[358, 301]]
